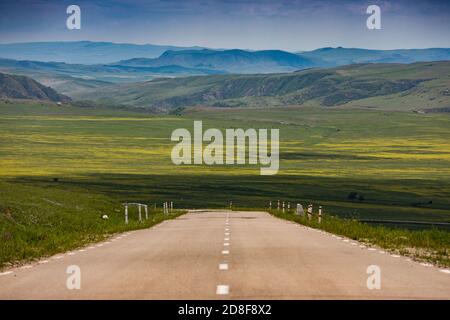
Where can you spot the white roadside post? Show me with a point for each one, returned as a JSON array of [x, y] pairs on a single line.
[[171, 206], [278, 205], [270, 205], [320, 214], [140, 214], [310, 211], [283, 206], [126, 213], [289, 206], [300, 211], [146, 212]]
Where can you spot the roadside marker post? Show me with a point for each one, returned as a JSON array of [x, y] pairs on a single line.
[[146, 212], [289, 206], [300, 211], [278, 205], [140, 214], [270, 205], [320, 214], [283, 206], [310, 212], [171, 206], [126, 213]]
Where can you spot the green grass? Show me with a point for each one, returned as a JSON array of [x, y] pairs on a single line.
[[399, 162], [424, 245], [37, 221]]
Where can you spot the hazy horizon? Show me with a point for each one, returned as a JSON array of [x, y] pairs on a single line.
[[247, 24], [210, 48]]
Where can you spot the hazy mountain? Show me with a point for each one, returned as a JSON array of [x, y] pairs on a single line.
[[83, 52], [232, 61], [20, 87], [394, 86], [344, 56]]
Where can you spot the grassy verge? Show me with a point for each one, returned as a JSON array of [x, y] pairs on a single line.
[[42, 221], [425, 245]]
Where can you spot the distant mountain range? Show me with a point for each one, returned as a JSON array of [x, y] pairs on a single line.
[[83, 52], [121, 73], [330, 57], [20, 87], [201, 59], [390, 86], [230, 61]]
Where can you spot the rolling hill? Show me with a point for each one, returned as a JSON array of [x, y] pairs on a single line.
[[20, 87], [408, 87]]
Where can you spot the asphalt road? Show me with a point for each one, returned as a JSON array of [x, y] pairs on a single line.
[[226, 255]]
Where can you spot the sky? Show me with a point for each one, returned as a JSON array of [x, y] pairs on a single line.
[[292, 25]]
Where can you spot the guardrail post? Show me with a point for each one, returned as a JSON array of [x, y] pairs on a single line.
[[140, 215], [300, 211], [320, 214]]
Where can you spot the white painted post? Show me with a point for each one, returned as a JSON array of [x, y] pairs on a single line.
[[310, 211], [146, 212], [140, 215], [300, 211], [283, 206], [278, 205], [171, 206], [126, 213], [270, 204], [289, 206], [231, 205], [320, 214]]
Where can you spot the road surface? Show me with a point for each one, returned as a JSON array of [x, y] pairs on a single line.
[[226, 255]]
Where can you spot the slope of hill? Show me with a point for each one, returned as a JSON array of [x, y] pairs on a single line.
[[20, 87], [83, 52], [233, 61], [410, 86]]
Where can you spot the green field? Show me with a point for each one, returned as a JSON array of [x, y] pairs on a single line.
[[399, 162]]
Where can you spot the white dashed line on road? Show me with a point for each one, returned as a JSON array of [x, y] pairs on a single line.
[[222, 289], [223, 266], [5, 273], [225, 252], [226, 244], [445, 270]]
